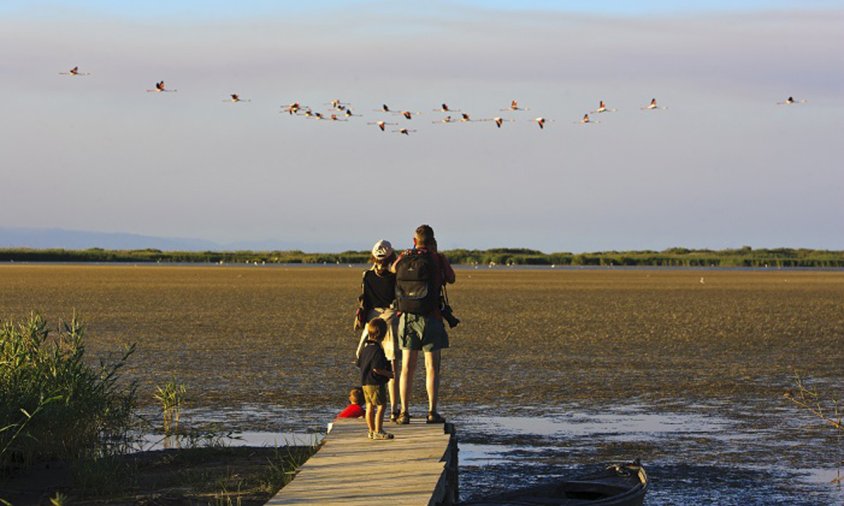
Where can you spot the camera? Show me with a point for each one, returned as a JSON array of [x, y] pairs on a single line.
[[449, 317]]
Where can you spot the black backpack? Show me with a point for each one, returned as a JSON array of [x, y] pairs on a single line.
[[415, 290]]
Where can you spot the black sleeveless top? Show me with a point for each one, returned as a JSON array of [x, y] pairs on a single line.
[[378, 291]]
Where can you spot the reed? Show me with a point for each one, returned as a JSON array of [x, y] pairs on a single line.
[[825, 409], [53, 404], [171, 397]]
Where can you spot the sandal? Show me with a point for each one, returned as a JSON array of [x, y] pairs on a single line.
[[394, 416], [381, 436], [434, 417], [403, 418]]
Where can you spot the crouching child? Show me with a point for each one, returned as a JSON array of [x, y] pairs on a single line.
[[374, 373]]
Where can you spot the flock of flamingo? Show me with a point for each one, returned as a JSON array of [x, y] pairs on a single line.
[[342, 111]]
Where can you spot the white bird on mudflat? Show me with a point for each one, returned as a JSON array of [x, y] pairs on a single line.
[[602, 107], [74, 72], [159, 87]]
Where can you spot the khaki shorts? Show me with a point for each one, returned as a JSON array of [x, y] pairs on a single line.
[[425, 333], [390, 342], [375, 394]]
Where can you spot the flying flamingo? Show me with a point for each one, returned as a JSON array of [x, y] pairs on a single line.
[[464, 118], [348, 113], [384, 108], [404, 131], [159, 87], [585, 120], [444, 108], [407, 114], [652, 106], [337, 104], [602, 107], [447, 119], [74, 72], [791, 101], [514, 106], [540, 121], [334, 117], [291, 108], [381, 124], [497, 120], [235, 98]]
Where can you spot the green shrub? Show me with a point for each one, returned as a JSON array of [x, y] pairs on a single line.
[[54, 405]]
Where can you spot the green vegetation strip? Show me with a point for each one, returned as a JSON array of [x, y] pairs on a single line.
[[673, 257]]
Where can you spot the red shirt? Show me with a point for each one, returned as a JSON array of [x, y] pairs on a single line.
[[352, 411]]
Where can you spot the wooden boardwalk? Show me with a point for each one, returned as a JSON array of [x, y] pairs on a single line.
[[418, 467]]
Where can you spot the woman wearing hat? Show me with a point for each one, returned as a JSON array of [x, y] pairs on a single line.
[[378, 295]]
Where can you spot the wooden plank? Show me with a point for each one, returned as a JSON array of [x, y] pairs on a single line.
[[351, 469]]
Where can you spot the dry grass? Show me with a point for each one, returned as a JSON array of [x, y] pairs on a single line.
[[283, 335]]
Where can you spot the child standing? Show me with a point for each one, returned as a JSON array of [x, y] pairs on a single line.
[[374, 374], [377, 300]]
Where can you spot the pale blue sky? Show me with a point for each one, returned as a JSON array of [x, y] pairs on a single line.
[[723, 166]]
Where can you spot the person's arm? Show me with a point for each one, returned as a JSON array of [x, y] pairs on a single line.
[[381, 366], [448, 272], [383, 372], [394, 264]]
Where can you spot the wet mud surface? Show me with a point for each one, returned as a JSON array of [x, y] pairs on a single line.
[[550, 373]]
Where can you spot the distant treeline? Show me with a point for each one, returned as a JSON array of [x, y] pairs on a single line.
[[674, 257]]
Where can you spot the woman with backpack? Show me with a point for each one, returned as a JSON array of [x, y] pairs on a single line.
[[377, 300]]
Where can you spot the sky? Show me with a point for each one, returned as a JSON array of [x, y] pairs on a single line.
[[723, 165]]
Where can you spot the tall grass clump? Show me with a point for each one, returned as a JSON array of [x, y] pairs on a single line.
[[53, 404], [171, 398]]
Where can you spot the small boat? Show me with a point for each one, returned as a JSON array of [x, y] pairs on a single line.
[[617, 485]]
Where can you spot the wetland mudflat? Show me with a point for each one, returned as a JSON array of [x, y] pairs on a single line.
[[597, 364]]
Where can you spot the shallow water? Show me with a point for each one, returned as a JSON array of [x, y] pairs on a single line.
[[690, 457], [703, 454]]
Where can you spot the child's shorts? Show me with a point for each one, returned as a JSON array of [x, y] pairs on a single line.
[[375, 394]]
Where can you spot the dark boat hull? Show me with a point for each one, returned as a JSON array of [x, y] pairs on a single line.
[[617, 485]]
